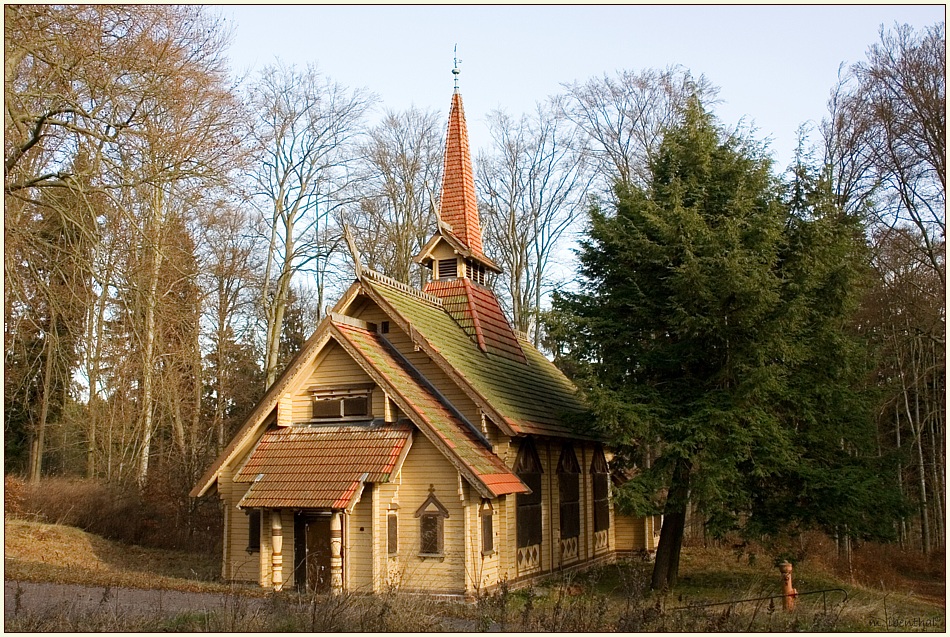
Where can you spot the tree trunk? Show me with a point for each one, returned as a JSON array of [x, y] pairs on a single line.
[[666, 567], [148, 355], [38, 443]]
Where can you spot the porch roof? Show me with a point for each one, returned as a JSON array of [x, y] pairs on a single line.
[[320, 467]]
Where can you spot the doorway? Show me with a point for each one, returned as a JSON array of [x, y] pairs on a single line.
[[312, 552]]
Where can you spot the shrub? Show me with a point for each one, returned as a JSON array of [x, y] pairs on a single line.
[[13, 487], [153, 517]]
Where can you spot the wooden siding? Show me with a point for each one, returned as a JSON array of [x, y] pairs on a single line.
[[425, 466], [334, 367], [240, 565], [483, 569], [389, 568], [636, 534], [361, 541]]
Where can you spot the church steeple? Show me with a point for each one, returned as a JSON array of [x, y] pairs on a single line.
[[456, 250], [455, 253], [458, 207]]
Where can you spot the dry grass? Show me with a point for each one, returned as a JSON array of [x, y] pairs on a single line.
[[39, 552], [606, 599]]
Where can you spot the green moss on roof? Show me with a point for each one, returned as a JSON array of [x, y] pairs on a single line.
[[532, 397]]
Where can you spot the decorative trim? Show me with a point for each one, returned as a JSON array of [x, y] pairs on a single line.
[[570, 550], [529, 558], [402, 287], [434, 501]]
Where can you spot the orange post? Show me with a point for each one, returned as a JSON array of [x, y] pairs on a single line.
[[789, 592]]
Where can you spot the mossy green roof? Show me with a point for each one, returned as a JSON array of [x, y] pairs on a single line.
[[533, 398], [436, 420]]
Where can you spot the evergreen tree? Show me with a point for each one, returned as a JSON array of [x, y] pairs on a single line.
[[691, 335]]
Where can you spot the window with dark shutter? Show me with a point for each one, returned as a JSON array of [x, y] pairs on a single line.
[[352, 403], [529, 516], [601, 479], [253, 530], [356, 406], [392, 533], [488, 532], [569, 493], [431, 526]]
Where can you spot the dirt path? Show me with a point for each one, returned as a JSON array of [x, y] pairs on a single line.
[[41, 598]]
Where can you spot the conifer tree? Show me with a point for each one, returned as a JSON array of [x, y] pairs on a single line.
[[692, 336]]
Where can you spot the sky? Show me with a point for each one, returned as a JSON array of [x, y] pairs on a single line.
[[775, 65]]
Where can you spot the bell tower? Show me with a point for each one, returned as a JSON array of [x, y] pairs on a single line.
[[459, 265]]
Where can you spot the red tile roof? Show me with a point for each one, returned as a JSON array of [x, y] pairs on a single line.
[[458, 206], [320, 466], [476, 309]]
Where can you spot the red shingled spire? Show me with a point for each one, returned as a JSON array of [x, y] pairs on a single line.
[[458, 207]]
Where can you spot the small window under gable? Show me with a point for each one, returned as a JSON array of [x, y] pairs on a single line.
[[342, 403], [431, 515]]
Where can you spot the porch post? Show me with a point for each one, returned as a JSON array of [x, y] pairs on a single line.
[[277, 543], [336, 553]]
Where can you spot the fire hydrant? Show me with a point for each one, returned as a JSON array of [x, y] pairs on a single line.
[[789, 592]]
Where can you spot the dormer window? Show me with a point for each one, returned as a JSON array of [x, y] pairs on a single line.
[[345, 403], [448, 268]]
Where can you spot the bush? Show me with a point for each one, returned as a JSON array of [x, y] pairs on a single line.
[[13, 488], [112, 511]]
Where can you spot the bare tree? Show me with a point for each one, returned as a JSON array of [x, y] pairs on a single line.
[[228, 263], [401, 164], [129, 110], [624, 116], [885, 136], [885, 154], [302, 134], [533, 186]]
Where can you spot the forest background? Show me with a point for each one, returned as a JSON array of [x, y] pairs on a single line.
[[172, 234]]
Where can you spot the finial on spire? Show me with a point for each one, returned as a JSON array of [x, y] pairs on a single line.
[[455, 69]]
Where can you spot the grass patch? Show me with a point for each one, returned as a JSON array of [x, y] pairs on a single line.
[[40, 552], [608, 598]]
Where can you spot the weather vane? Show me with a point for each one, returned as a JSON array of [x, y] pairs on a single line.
[[455, 70]]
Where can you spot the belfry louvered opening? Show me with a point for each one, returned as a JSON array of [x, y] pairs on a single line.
[[475, 272], [448, 268]]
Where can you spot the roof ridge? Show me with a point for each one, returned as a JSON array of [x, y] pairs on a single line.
[[402, 287]]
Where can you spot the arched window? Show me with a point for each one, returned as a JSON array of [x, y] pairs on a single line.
[[528, 468], [569, 493], [601, 478]]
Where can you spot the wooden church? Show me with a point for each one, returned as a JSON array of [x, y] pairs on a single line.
[[416, 441]]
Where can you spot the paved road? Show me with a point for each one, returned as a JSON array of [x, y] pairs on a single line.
[[36, 597]]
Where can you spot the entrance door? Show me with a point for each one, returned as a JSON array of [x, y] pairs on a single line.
[[312, 544], [318, 555]]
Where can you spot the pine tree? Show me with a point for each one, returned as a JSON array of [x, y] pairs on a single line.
[[690, 334]]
